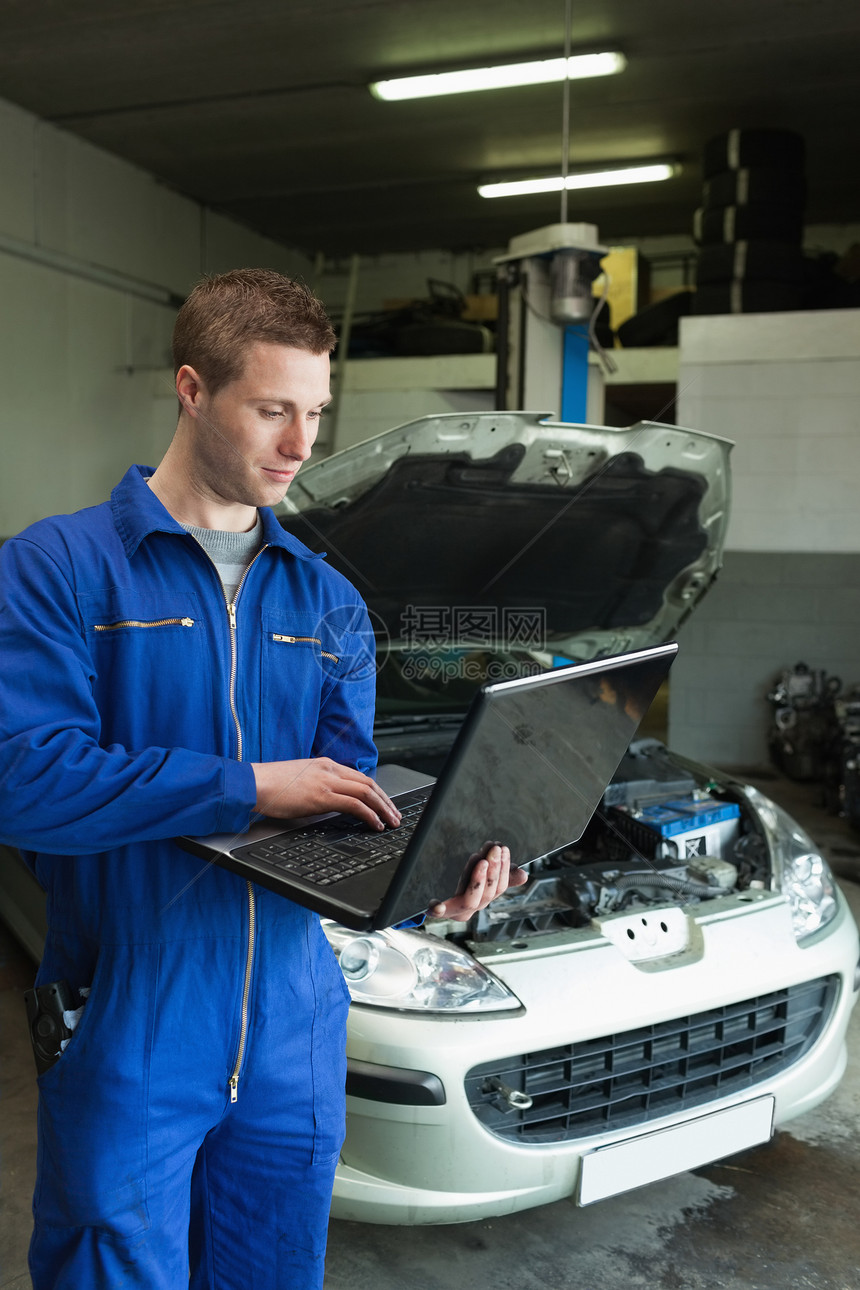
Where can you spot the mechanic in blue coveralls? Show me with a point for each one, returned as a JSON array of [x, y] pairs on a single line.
[[174, 662]]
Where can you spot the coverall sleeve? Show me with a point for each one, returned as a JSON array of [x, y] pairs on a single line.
[[345, 728], [62, 792]]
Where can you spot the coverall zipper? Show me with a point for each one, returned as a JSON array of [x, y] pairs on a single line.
[[252, 900], [310, 640], [135, 622]]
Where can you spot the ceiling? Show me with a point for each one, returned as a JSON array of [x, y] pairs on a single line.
[[260, 109]]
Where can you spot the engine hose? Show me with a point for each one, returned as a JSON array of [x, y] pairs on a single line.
[[684, 886]]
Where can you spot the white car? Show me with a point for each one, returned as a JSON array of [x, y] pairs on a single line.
[[665, 991]]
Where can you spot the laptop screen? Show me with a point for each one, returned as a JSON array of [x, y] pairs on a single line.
[[532, 763]]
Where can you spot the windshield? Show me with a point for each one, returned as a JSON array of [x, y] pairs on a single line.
[[437, 681]]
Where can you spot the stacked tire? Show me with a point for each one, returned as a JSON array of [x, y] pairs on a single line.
[[749, 228]]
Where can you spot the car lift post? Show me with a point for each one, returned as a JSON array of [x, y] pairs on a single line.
[[545, 304]]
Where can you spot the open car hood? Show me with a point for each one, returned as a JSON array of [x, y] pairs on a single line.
[[476, 523]]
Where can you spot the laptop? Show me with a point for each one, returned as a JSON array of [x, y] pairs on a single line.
[[528, 768]]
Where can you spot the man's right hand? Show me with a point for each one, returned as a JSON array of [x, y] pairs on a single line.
[[287, 789]]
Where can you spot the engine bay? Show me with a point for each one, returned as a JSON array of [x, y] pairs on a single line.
[[661, 835]]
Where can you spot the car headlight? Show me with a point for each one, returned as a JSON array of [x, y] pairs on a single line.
[[800, 872], [415, 972]]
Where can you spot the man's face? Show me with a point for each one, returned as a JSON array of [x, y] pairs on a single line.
[[250, 438]]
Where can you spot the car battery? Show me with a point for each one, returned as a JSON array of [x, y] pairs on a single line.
[[688, 826], [681, 828]]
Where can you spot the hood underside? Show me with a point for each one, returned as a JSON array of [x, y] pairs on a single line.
[[612, 536]]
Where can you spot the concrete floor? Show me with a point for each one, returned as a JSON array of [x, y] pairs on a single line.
[[780, 1217]]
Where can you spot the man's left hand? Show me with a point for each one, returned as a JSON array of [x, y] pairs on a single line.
[[491, 875]]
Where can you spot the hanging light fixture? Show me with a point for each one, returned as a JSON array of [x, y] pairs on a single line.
[[644, 174], [545, 71], [606, 177]]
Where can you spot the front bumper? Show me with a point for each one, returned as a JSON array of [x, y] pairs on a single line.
[[436, 1163]]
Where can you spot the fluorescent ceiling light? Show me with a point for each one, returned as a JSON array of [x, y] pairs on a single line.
[[597, 179], [544, 72]]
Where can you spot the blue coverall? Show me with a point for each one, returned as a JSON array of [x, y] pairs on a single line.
[[199, 1105]]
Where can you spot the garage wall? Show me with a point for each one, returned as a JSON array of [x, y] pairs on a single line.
[[95, 255], [786, 388], [383, 279]]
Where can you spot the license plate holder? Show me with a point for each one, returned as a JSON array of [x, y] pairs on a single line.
[[651, 1157]]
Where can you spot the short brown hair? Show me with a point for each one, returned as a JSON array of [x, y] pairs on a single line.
[[227, 312]]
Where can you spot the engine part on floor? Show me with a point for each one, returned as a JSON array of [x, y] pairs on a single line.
[[802, 721], [841, 773]]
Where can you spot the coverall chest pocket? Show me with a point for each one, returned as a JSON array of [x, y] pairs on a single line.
[[152, 670], [300, 660]]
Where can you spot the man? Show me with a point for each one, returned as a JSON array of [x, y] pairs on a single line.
[[173, 662]]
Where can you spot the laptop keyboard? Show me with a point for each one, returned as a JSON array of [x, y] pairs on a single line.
[[338, 848]]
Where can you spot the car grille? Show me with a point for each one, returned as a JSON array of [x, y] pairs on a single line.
[[628, 1079]]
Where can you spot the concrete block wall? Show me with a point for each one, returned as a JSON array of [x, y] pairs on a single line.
[[786, 388], [368, 412], [767, 612]]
